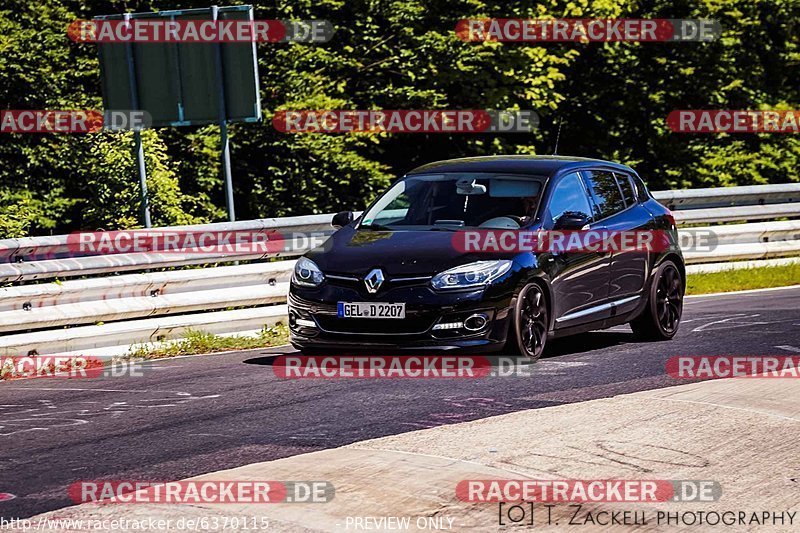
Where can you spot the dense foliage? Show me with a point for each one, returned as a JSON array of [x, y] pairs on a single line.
[[395, 54]]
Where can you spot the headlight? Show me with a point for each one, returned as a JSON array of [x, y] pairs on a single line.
[[307, 273], [471, 275]]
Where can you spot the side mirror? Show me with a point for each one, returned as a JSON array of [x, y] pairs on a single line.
[[342, 218], [572, 221]]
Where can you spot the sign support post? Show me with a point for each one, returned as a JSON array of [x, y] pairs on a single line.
[[226, 169], [144, 199], [225, 150]]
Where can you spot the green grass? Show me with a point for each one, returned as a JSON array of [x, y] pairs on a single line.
[[197, 342], [743, 279]]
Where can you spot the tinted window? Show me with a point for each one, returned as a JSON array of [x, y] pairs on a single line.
[[628, 193], [569, 196], [606, 193], [641, 189]]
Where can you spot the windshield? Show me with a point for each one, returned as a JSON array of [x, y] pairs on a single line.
[[452, 201]]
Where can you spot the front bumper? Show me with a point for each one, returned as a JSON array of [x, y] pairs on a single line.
[[314, 323]]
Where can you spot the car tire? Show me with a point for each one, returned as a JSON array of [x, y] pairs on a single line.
[[531, 321], [662, 315]]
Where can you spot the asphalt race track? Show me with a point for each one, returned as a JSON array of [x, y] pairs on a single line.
[[194, 415]]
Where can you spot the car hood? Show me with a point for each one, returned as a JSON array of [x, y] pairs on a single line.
[[398, 253]]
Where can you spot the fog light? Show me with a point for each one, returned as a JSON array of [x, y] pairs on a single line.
[[306, 323], [476, 322]]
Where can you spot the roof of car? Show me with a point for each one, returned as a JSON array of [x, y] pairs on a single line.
[[520, 164]]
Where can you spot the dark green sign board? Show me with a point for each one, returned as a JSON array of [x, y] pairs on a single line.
[[183, 83]]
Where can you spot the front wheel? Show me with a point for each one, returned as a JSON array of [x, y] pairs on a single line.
[[531, 321], [662, 315]]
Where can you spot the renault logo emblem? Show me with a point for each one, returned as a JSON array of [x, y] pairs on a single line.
[[374, 280]]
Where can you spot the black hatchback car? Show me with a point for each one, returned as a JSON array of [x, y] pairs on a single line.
[[393, 278]]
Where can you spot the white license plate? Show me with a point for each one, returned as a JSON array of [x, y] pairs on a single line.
[[370, 310]]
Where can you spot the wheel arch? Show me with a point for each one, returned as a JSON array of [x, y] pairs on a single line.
[[541, 279], [678, 261]]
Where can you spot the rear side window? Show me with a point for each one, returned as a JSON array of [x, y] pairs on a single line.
[[641, 189], [625, 185], [606, 193]]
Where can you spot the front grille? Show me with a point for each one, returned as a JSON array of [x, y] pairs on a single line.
[[389, 284], [349, 280], [349, 283]]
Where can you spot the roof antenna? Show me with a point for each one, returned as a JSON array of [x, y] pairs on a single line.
[[558, 135]]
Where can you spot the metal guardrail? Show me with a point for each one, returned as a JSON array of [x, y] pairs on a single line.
[[143, 295], [151, 306], [32, 258], [736, 213], [784, 230], [743, 252], [728, 196], [39, 266]]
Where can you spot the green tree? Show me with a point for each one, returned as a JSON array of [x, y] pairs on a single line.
[[621, 93]]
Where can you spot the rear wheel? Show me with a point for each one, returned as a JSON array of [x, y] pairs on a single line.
[[531, 321], [662, 315]]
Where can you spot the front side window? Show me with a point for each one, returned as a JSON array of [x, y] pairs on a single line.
[[606, 193], [456, 200], [569, 198]]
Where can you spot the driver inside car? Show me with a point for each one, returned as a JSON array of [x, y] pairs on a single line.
[[519, 219]]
